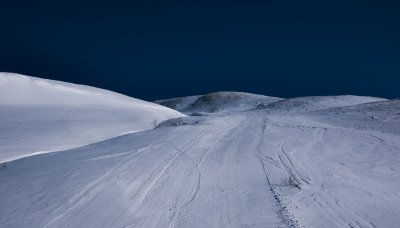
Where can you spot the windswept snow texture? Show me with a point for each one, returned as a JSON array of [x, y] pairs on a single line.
[[38, 115], [332, 163]]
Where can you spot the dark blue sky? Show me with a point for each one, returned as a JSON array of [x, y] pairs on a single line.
[[153, 50]]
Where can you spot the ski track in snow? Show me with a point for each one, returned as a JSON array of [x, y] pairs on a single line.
[[238, 169]]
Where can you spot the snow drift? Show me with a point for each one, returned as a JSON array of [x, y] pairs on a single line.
[[38, 115]]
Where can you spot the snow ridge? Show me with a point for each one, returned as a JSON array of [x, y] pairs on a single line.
[[41, 116]]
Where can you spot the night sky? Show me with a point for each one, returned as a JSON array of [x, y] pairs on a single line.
[[152, 50]]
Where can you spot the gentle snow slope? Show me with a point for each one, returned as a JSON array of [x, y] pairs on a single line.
[[38, 115], [333, 164]]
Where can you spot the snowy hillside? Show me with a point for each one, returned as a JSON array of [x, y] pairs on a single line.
[[217, 102], [38, 115], [316, 103], [254, 161]]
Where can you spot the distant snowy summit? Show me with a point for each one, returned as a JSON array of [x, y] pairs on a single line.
[[39, 115], [239, 101]]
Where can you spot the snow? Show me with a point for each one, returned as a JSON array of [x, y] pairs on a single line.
[[302, 162], [39, 116], [218, 102]]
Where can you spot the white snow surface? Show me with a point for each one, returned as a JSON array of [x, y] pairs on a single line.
[[39, 115], [334, 163]]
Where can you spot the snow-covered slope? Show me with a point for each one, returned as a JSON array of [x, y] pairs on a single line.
[[375, 116], [218, 102], [329, 164], [38, 115], [299, 104]]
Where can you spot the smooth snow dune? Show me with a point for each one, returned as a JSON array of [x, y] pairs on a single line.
[[39, 115], [218, 102]]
